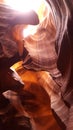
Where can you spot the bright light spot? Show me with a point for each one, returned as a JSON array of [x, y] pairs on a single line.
[[30, 30], [24, 5]]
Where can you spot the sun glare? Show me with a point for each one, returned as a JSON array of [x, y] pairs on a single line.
[[24, 5], [38, 6]]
